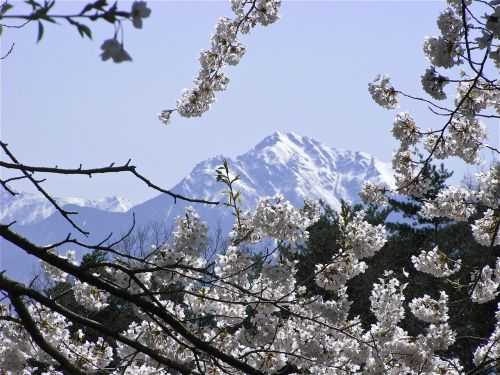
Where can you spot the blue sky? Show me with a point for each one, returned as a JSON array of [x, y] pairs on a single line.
[[308, 73]]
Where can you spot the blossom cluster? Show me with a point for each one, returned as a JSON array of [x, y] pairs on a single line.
[[394, 350], [359, 240], [259, 313], [16, 346], [383, 93], [464, 41], [54, 273], [372, 193], [467, 42], [90, 297], [112, 48], [435, 263], [459, 203], [453, 202], [487, 282], [433, 83], [490, 350], [226, 49], [274, 217]]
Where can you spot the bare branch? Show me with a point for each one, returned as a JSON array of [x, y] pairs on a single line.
[[104, 170], [8, 52]]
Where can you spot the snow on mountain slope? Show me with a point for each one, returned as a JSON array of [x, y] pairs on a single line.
[[296, 166], [29, 208], [304, 168]]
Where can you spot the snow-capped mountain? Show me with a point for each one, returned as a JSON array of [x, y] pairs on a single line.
[[29, 208], [296, 166]]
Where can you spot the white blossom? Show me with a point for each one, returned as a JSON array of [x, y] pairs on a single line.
[[405, 129], [139, 11], [435, 263], [362, 238], [489, 188], [372, 193], [491, 349], [457, 4], [429, 310], [443, 52], [472, 99], [450, 24], [484, 229], [383, 93], [387, 300], [136, 369], [54, 273], [493, 23], [274, 217], [452, 202], [89, 355], [433, 83], [342, 268], [90, 297], [113, 49], [164, 116], [225, 49], [488, 281]]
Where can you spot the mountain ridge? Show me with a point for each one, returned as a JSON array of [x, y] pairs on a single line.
[[294, 165], [29, 208]]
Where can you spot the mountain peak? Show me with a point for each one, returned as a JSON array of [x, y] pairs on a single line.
[[277, 138]]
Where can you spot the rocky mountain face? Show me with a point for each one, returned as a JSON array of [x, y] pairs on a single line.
[[298, 167]]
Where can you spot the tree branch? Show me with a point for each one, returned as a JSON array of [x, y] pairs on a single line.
[[168, 318], [30, 326], [103, 170]]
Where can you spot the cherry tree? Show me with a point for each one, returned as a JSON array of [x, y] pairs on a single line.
[[243, 313]]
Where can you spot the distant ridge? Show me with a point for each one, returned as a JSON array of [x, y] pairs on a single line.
[[29, 208]]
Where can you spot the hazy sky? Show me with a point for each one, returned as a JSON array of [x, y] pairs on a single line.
[[308, 73]]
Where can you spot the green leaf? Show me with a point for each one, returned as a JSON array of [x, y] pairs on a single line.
[[86, 8], [110, 17], [40, 31], [84, 30], [110, 14], [5, 7], [33, 4], [100, 4]]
